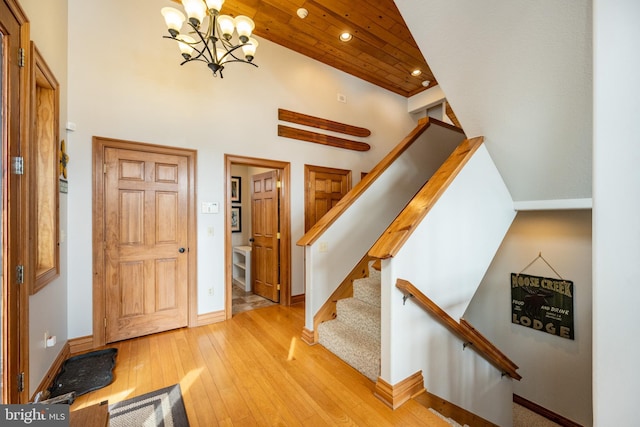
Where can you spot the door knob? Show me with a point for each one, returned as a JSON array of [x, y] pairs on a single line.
[[252, 240], [181, 250]]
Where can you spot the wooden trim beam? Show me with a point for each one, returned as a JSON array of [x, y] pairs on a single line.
[[317, 122], [320, 138], [463, 330]]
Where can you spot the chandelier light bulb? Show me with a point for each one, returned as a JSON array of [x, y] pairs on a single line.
[[227, 26], [196, 11], [244, 26], [174, 19], [185, 43], [215, 5], [249, 49]]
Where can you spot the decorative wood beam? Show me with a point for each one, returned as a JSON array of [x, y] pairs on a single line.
[[318, 138], [317, 122]]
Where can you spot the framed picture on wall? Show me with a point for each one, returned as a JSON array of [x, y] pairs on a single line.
[[236, 219], [235, 189]]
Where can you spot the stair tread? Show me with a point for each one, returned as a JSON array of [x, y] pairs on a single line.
[[361, 315]]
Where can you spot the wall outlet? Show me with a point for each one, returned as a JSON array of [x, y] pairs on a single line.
[[210, 291]]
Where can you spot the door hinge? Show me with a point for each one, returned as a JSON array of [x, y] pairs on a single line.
[[19, 274], [278, 236], [278, 184], [21, 59], [21, 382], [17, 165], [104, 168], [278, 287], [105, 323]]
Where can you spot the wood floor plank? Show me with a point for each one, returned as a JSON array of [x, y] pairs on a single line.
[[252, 370]]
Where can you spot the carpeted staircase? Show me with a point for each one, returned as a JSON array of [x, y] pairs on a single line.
[[354, 335]]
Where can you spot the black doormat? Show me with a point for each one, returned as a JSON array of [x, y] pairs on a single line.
[[85, 373]]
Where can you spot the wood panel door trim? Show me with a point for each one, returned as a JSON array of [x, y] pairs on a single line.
[[285, 225], [100, 144]]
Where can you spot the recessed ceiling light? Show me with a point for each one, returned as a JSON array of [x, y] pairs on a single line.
[[302, 13], [345, 37], [416, 73], [426, 83]]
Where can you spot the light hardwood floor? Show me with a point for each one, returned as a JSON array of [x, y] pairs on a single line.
[[253, 370]]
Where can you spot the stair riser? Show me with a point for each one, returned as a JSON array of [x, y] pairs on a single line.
[[367, 290]]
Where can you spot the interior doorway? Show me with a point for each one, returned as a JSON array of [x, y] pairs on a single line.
[[242, 228]]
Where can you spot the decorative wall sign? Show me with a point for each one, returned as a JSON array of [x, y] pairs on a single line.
[[542, 303]]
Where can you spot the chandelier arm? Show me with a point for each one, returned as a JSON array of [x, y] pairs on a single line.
[[205, 45], [230, 52]]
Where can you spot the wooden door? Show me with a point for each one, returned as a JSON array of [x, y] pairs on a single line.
[[324, 188], [265, 258], [146, 235], [14, 334]]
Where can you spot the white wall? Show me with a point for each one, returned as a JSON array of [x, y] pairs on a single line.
[[445, 258], [128, 85], [519, 73], [616, 203], [48, 308], [556, 372]]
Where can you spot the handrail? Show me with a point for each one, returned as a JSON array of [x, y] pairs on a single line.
[[467, 333], [407, 221], [334, 213]]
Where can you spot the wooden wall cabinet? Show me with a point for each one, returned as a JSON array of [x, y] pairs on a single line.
[[43, 168]]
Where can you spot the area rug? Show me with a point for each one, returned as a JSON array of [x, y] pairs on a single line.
[[85, 372], [160, 408]]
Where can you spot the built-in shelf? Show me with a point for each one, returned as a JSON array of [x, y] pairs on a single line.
[[242, 266]]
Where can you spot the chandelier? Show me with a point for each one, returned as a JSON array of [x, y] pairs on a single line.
[[215, 45]]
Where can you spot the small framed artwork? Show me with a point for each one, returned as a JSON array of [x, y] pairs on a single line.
[[236, 219], [235, 189]]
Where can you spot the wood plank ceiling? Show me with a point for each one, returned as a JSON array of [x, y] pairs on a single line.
[[382, 50]]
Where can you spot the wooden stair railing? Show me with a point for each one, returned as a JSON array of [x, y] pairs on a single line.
[[467, 333], [407, 221], [334, 213]]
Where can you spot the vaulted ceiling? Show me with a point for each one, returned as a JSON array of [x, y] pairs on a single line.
[[382, 50]]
